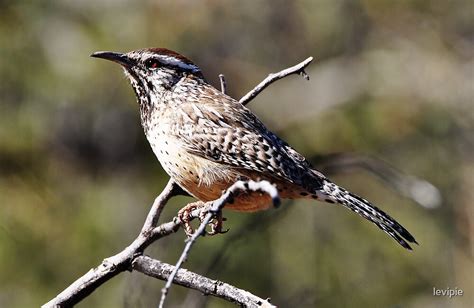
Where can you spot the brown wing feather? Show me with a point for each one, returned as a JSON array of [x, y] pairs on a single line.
[[231, 134]]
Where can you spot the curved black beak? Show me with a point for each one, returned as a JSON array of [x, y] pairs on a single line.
[[117, 57]]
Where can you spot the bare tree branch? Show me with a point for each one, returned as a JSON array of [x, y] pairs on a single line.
[[297, 69], [223, 83], [120, 262], [215, 207], [160, 270]]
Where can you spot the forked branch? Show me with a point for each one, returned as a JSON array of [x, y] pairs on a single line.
[[120, 262], [297, 69], [215, 207], [124, 260]]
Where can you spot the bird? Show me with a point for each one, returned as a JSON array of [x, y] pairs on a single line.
[[206, 140]]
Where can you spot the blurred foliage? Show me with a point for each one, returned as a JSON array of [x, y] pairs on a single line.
[[392, 79]]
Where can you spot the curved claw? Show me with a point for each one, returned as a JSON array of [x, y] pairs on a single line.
[[216, 225], [216, 228], [218, 232], [184, 216]]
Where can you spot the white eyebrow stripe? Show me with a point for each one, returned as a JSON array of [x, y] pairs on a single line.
[[176, 62]]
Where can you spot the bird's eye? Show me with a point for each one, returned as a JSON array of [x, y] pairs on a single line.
[[152, 63]]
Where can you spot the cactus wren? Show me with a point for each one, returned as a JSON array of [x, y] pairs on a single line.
[[206, 140]]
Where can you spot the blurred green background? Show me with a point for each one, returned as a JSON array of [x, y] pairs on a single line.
[[391, 79]]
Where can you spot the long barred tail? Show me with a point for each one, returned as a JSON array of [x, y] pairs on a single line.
[[331, 192]]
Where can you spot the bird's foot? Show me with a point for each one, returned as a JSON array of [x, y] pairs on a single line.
[[215, 224], [185, 215]]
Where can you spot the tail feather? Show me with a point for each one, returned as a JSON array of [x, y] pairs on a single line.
[[364, 208]]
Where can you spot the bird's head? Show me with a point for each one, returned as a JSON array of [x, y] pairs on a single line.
[[152, 70]]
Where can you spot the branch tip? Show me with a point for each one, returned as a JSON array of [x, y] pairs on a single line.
[[223, 83], [271, 78], [157, 269], [304, 74]]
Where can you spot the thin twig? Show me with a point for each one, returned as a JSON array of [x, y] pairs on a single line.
[[255, 224], [223, 83], [171, 189], [161, 270], [216, 207], [297, 69]]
